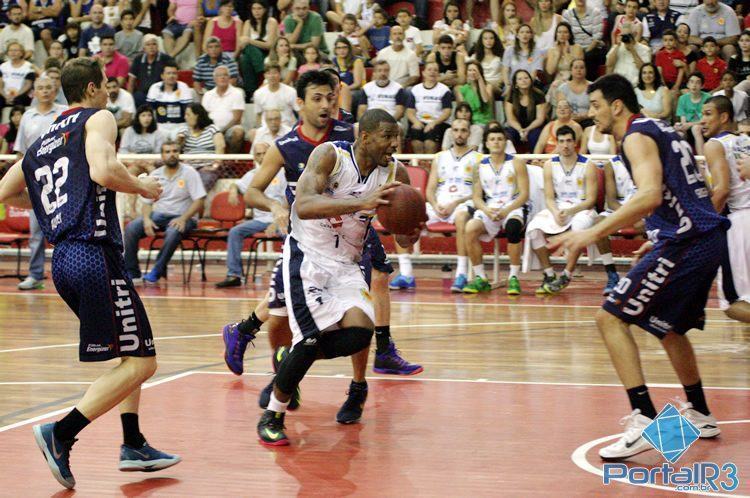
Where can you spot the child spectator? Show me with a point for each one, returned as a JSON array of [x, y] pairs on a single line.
[[665, 58], [70, 39], [739, 64], [711, 66], [412, 35], [350, 30], [112, 13], [312, 61], [379, 34], [690, 107]]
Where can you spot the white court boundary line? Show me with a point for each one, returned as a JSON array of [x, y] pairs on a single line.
[[393, 303], [416, 378], [402, 326], [145, 385], [579, 458], [43, 383]]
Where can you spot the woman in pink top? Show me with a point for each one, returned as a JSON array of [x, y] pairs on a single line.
[[226, 28], [181, 23]]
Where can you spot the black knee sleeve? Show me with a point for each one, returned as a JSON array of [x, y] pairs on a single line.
[[345, 342], [514, 231], [295, 366]]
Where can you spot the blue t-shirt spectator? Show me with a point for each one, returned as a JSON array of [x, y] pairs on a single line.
[[379, 37], [91, 38]]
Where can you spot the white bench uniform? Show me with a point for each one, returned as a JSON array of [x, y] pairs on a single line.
[[321, 269], [500, 187], [623, 183], [734, 276], [455, 177]]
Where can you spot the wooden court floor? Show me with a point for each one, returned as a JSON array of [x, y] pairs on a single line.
[[516, 397]]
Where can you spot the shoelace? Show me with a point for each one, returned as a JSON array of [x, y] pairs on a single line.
[[682, 405], [629, 420]]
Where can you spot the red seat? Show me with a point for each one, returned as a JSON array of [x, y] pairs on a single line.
[[368, 73], [186, 76], [600, 193], [223, 217], [393, 9], [17, 221], [442, 227]]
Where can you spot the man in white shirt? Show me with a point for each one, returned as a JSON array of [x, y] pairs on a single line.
[[17, 31], [225, 105], [626, 59], [382, 93], [271, 130], [34, 122], [120, 103], [275, 95], [403, 62], [740, 99]]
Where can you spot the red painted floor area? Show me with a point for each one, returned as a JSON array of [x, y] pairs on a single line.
[[417, 438]]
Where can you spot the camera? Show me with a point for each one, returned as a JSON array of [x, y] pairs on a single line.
[[627, 38]]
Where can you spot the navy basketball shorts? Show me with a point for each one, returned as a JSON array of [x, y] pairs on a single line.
[[668, 289], [276, 300], [374, 256], [92, 280]]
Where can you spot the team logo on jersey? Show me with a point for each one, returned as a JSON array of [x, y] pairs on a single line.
[[181, 183], [365, 294], [511, 179], [161, 111], [301, 166], [52, 143], [579, 182]]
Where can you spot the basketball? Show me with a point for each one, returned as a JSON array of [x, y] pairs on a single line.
[[405, 211]]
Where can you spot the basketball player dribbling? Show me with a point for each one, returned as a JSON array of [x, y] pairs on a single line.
[[665, 293], [72, 174], [330, 310]]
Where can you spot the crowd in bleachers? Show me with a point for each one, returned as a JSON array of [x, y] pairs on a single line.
[[189, 67]]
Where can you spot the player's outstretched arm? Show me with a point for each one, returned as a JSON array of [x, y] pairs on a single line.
[[310, 202], [104, 167], [643, 154], [13, 187]]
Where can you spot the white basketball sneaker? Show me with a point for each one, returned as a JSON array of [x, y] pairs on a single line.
[[632, 442], [707, 424]]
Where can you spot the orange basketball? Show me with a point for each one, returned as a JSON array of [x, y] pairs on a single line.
[[405, 211]]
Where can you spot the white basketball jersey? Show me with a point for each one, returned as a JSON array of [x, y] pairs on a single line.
[[736, 147], [570, 186], [499, 185], [455, 175], [341, 238], [623, 181]]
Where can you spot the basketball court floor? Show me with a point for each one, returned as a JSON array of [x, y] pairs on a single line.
[[516, 398]]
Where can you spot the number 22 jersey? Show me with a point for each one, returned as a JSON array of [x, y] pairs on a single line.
[[68, 204], [686, 210]]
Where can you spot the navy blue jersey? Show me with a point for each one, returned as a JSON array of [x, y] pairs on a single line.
[[296, 148], [686, 210], [67, 203]]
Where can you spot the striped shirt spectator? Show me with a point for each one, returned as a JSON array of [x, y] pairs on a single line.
[[203, 72], [587, 27], [169, 98], [203, 143]]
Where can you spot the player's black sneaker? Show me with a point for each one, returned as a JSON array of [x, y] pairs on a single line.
[[271, 429], [351, 410]]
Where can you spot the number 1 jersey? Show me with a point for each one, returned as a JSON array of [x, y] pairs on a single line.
[[68, 204]]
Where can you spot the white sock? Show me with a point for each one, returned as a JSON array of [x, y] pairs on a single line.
[[277, 406], [550, 272], [463, 265], [514, 269], [567, 273], [479, 270], [404, 265], [607, 259]]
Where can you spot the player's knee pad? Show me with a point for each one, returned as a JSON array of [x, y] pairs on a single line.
[[513, 231], [294, 367], [345, 342], [537, 239]]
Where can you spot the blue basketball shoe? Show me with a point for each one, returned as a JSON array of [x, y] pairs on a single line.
[[402, 282], [145, 459], [235, 344], [612, 279], [56, 452], [392, 363]]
